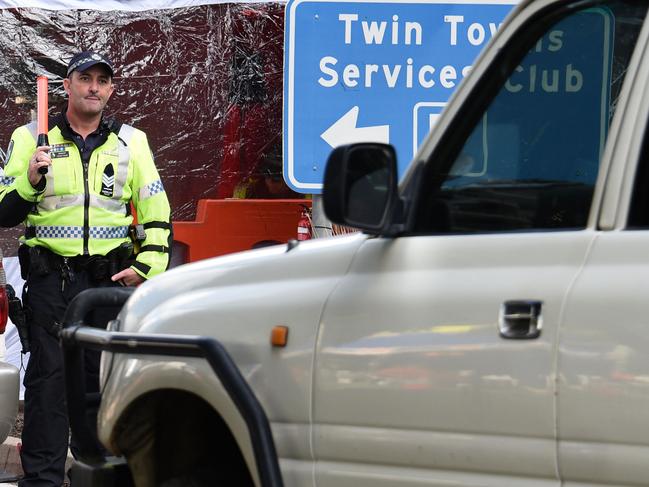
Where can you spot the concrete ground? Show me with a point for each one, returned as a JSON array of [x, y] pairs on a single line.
[[10, 468]]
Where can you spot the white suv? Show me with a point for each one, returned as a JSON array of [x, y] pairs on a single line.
[[488, 328]]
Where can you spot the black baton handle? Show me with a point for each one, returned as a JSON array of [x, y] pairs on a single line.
[[42, 140]]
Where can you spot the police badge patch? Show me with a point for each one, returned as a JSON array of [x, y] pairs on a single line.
[[108, 181], [60, 150]]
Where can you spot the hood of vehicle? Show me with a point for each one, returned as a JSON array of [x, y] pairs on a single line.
[[263, 268]]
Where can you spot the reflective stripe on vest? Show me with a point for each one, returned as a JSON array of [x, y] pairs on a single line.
[[50, 203], [123, 140], [77, 232], [6, 180], [150, 189], [33, 129]]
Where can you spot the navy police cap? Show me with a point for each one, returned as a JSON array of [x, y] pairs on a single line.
[[87, 59]]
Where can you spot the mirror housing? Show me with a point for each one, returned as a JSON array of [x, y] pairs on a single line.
[[360, 186]]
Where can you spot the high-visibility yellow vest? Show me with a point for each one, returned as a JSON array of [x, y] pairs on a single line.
[[86, 210]]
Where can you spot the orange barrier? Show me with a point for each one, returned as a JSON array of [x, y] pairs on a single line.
[[230, 225]]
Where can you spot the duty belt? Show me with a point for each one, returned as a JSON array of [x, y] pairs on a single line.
[[41, 261]]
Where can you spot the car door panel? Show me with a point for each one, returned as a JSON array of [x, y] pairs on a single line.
[[604, 381], [411, 371], [415, 381]]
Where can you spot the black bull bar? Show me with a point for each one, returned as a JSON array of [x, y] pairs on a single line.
[[75, 336]]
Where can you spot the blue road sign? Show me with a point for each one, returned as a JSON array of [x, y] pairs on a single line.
[[371, 70]]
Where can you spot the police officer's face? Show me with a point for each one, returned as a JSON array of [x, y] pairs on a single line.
[[88, 91]]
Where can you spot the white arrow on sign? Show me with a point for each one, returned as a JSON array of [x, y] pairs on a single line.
[[345, 131]]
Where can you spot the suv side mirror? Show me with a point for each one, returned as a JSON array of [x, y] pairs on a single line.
[[360, 185]]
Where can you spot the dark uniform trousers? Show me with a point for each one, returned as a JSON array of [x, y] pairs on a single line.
[[46, 429]]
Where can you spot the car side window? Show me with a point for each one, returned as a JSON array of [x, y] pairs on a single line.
[[638, 218], [532, 160]]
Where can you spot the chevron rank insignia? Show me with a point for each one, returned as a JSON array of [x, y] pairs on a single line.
[[108, 181]]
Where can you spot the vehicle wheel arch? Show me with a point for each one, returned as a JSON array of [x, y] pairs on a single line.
[[174, 437]]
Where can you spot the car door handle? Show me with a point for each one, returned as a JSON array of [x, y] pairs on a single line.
[[520, 319]]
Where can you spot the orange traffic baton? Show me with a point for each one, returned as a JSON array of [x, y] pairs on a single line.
[[41, 98]]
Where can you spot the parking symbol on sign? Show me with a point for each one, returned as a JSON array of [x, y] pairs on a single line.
[[425, 115]]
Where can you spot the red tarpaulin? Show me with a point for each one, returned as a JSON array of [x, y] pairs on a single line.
[[204, 82]]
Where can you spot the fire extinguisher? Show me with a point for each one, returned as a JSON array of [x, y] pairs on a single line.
[[304, 224]]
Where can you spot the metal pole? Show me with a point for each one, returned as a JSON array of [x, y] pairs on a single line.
[[321, 225]]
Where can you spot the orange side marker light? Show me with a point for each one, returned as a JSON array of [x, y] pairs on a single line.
[[279, 336]]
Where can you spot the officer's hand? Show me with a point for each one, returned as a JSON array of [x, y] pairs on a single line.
[[39, 159], [128, 277]]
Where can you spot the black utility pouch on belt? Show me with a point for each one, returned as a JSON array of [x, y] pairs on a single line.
[[101, 268], [34, 260], [23, 259], [39, 261], [120, 258], [97, 267], [18, 317]]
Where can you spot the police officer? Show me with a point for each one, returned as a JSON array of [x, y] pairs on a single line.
[[78, 234]]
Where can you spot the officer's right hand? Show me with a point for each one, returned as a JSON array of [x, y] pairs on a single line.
[[39, 159]]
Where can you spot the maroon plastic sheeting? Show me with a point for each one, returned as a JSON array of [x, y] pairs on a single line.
[[204, 83]]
